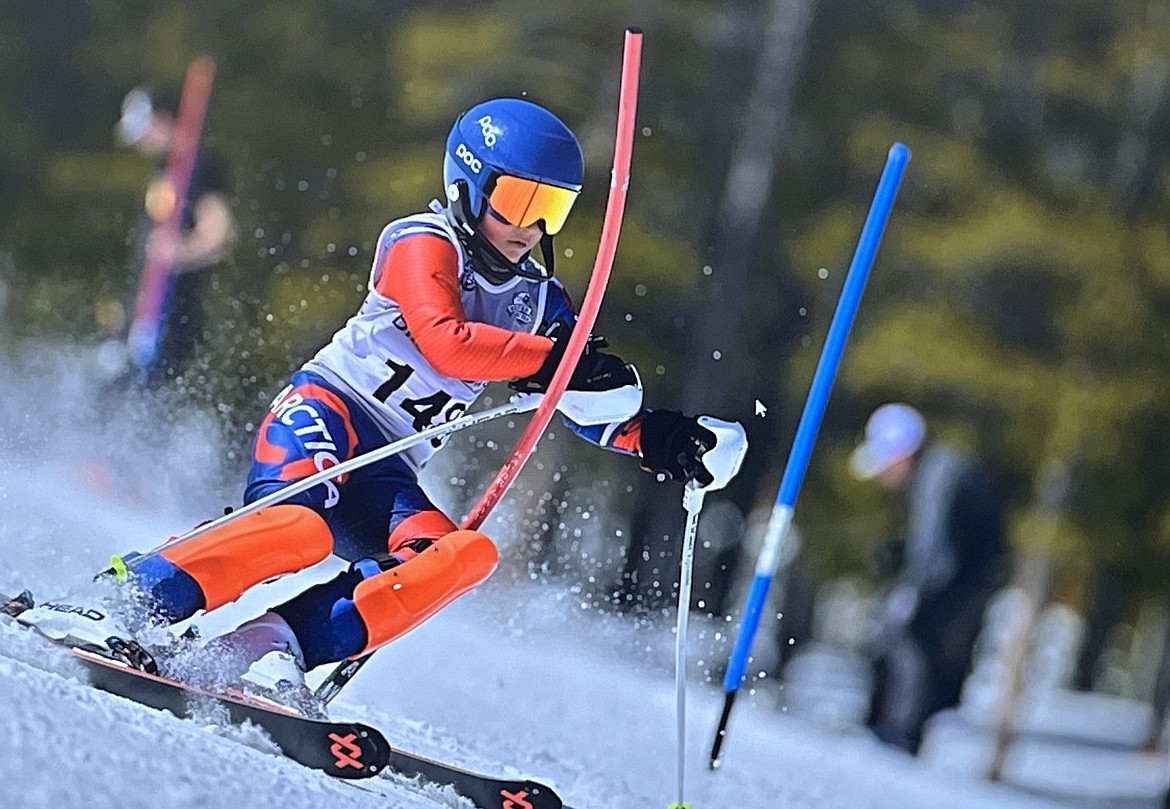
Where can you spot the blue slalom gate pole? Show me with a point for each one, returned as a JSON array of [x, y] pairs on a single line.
[[806, 431]]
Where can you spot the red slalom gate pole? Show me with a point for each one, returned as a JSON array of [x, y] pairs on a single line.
[[614, 209]]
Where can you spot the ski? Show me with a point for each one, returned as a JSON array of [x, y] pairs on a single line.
[[347, 750], [484, 791], [337, 748], [341, 749]]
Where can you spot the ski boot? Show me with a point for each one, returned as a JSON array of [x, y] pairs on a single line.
[[263, 658], [83, 626]]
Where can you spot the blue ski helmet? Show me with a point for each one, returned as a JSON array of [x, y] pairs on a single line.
[[514, 138]]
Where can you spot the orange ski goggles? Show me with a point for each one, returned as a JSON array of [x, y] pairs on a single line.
[[522, 202]]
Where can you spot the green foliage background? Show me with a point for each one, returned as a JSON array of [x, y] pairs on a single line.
[[1021, 297]]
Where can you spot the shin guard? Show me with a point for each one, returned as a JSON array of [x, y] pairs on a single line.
[[268, 543], [397, 600]]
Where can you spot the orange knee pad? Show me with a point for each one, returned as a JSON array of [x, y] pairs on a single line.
[[242, 553], [397, 600]]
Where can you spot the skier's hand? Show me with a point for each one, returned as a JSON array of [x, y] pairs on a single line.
[[685, 448], [596, 370]]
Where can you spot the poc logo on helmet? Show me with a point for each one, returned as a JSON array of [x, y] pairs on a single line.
[[490, 131], [471, 161]]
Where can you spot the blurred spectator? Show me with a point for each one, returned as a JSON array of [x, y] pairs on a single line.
[[953, 559], [206, 229]]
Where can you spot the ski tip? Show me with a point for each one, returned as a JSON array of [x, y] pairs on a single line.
[[15, 605]]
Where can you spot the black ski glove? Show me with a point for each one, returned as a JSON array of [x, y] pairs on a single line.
[[596, 370], [674, 444]]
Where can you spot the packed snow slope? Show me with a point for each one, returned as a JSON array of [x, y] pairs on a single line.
[[515, 679]]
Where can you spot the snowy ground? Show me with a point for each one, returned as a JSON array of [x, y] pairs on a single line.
[[509, 679]]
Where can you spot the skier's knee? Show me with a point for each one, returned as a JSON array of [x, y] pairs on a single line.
[[397, 600]]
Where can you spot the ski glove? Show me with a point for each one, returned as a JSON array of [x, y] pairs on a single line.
[[596, 370], [674, 445]]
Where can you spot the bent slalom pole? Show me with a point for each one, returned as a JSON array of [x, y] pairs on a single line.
[[517, 404], [590, 306], [607, 249], [693, 503], [723, 461], [806, 431]]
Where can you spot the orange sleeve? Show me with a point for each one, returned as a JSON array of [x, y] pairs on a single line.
[[628, 437], [420, 272]]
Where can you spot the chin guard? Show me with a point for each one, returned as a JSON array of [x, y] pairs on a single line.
[[486, 259]]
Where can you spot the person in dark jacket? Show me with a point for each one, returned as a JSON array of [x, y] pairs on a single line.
[[206, 231], [954, 558]]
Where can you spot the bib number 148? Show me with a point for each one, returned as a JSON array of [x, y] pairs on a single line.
[[423, 410]]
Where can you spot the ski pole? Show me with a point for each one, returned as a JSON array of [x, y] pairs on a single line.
[[590, 306], [693, 503], [806, 431], [723, 461], [518, 404]]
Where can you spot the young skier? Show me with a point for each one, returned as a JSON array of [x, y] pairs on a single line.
[[456, 300]]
